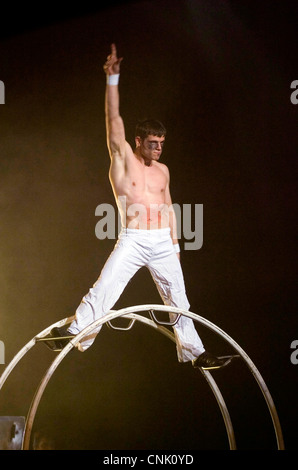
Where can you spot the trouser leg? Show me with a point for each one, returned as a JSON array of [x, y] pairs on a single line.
[[167, 274], [118, 270]]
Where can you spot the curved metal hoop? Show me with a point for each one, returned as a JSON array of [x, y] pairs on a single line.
[[130, 313]]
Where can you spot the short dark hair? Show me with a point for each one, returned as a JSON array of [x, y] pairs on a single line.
[[150, 127]]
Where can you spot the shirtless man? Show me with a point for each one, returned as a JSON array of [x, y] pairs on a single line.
[[148, 238]]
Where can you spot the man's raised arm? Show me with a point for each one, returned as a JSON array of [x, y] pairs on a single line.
[[114, 122]]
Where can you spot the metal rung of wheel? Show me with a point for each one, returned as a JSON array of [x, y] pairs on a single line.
[[121, 328], [152, 316], [40, 340], [164, 323]]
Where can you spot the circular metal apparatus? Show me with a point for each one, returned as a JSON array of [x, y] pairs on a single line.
[[132, 313]]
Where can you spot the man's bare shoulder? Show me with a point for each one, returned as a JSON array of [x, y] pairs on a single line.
[[163, 168]]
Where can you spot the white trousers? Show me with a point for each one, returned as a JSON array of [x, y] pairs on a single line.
[[133, 250]]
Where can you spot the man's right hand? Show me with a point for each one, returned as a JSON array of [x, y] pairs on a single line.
[[112, 65]]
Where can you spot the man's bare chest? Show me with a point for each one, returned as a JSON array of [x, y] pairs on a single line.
[[151, 180]]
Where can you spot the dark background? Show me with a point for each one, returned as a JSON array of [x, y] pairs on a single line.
[[218, 74]]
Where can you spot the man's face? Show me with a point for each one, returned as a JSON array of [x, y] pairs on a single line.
[[151, 147]]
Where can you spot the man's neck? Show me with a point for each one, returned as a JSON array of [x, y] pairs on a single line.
[[143, 160]]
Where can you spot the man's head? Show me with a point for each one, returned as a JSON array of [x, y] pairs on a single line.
[[149, 137]]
